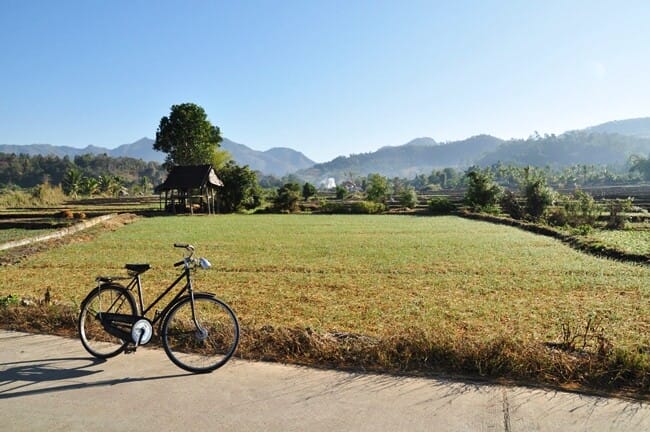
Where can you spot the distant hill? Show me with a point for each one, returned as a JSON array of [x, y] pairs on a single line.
[[609, 143], [570, 148], [276, 161], [638, 127], [421, 155]]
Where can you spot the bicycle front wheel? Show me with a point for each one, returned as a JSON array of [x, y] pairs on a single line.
[[203, 341], [114, 299]]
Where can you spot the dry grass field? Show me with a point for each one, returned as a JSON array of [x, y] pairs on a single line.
[[396, 293]]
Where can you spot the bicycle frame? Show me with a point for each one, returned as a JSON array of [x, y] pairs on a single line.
[[136, 282]]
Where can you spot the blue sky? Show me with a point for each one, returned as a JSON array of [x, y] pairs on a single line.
[[327, 78]]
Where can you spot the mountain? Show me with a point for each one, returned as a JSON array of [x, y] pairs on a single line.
[[141, 149], [571, 148], [421, 155], [276, 161], [638, 127]]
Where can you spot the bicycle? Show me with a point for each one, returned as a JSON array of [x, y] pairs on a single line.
[[199, 332]]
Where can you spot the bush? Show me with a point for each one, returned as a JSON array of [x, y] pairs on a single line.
[[288, 197], [441, 206], [46, 194], [341, 192], [510, 205], [617, 209], [482, 193], [538, 197], [356, 207], [408, 198], [581, 209]]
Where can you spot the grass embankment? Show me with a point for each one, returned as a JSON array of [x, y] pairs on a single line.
[[390, 293]]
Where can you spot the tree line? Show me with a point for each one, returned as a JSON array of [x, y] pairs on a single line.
[[189, 138]]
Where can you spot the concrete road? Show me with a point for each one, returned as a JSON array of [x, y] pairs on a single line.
[[51, 384]]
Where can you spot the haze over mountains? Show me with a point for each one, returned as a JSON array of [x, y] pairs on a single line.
[[609, 143]]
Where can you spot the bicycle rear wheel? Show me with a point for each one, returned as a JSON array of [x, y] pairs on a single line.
[[96, 340], [205, 347]]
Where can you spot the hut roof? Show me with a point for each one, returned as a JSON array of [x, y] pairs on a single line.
[[188, 177]]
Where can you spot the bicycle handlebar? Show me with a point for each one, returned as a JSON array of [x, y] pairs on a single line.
[[189, 248]]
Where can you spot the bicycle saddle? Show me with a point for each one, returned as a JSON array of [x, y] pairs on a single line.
[[137, 268]]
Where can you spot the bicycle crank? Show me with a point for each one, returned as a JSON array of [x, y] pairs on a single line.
[[141, 332]]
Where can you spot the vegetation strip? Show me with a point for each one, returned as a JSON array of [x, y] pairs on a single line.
[[58, 234], [591, 247]]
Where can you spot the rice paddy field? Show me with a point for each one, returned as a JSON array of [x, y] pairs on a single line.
[[465, 282]]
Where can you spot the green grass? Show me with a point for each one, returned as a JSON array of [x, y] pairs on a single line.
[[471, 284], [631, 241], [371, 275], [12, 234]]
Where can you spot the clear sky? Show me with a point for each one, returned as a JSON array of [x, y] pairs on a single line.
[[324, 77]]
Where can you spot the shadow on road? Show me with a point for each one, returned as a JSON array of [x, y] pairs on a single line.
[[33, 377]]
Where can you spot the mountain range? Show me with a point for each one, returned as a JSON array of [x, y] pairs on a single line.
[[277, 161], [610, 143]]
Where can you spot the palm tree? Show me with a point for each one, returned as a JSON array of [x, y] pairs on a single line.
[[72, 182]]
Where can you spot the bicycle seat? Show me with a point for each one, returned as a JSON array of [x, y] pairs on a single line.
[[137, 268]]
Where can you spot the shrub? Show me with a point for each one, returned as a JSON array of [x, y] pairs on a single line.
[[356, 207], [308, 190], [408, 198], [538, 197], [341, 192], [617, 209], [482, 193], [441, 206], [46, 194], [288, 197], [377, 188], [9, 300], [510, 205], [581, 209]]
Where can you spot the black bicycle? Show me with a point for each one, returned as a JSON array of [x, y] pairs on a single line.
[[199, 332]]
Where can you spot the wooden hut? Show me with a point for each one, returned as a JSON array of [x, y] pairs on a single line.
[[190, 188]]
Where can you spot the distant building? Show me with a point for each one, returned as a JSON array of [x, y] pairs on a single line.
[[329, 183]]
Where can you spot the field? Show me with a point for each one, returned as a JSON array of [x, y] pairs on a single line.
[[439, 293]]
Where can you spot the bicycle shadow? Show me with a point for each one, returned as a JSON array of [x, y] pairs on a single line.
[[33, 377]]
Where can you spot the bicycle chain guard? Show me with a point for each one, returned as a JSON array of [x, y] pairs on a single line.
[[141, 332]]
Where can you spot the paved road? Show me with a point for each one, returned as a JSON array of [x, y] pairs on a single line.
[[50, 384]]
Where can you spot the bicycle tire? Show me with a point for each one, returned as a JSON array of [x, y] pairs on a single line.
[[111, 298], [193, 349]]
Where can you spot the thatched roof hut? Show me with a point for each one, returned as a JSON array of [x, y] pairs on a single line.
[[190, 186]]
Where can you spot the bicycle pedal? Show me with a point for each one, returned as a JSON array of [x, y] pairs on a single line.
[[130, 349]]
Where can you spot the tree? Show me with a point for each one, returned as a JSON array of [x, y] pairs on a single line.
[[377, 188], [72, 182], [538, 197], [187, 136], [240, 189], [482, 193], [89, 186], [308, 190], [288, 197], [408, 197]]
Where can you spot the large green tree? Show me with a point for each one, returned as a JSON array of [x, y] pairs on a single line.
[[188, 137], [240, 189]]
